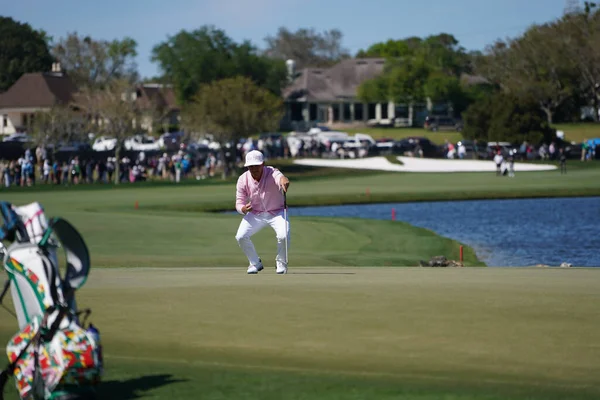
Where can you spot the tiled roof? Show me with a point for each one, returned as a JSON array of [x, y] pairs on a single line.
[[340, 81], [38, 90]]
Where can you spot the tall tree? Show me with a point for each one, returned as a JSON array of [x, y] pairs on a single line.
[[580, 33], [533, 66], [417, 69], [95, 63], [112, 110], [62, 123], [191, 59], [392, 48], [307, 47], [406, 80], [374, 90], [233, 108], [506, 117], [443, 53], [22, 50]]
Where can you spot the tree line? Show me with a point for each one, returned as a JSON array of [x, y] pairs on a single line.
[[539, 78]]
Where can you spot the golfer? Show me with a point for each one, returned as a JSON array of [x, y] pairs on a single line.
[[259, 198]]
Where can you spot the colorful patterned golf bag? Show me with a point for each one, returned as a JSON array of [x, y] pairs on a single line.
[[53, 356]]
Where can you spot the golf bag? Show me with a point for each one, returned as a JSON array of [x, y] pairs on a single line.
[[53, 356]]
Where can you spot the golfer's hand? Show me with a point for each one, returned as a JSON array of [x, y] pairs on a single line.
[[247, 208], [284, 183]]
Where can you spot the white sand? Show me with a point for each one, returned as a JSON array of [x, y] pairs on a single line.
[[419, 165]]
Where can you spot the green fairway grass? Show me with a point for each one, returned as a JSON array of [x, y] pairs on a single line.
[[330, 333], [204, 240], [340, 324], [579, 132]]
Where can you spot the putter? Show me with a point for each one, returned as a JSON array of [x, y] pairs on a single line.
[[285, 216]]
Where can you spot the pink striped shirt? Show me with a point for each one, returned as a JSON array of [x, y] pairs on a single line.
[[264, 195]]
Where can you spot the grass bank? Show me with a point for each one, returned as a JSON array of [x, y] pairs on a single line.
[[172, 225]]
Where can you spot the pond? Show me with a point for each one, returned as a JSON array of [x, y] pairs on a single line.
[[519, 232]]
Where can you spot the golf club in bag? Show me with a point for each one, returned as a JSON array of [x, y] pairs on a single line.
[[53, 356]]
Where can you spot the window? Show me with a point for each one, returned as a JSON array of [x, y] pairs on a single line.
[[312, 112], [5, 120], [347, 113], [371, 111], [336, 112], [358, 111]]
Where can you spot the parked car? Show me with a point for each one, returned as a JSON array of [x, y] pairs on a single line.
[[141, 143], [359, 145], [270, 135], [439, 123], [103, 143], [409, 145], [385, 145], [18, 137], [328, 137], [360, 140], [318, 129], [505, 148], [171, 140], [479, 153], [73, 146]]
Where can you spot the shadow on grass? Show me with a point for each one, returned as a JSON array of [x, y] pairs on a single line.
[[134, 388]]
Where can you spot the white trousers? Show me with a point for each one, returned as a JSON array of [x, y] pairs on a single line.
[[253, 223]]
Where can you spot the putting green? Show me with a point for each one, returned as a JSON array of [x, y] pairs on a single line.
[[460, 333]]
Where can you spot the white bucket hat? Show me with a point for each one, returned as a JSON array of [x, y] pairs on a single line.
[[254, 157]]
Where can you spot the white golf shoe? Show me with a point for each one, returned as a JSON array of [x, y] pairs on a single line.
[[281, 269], [254, 269]]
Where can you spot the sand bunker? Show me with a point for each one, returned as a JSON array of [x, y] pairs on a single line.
[[419, 164]]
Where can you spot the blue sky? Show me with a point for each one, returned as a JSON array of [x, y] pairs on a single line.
[[475, 23]]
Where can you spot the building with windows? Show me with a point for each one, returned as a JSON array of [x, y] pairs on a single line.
[[30, 94], [41, 91], [328, 96]]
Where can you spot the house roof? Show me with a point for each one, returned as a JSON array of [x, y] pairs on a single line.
[[343, 79], [332, 84], [38, 89], [163, 95]]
